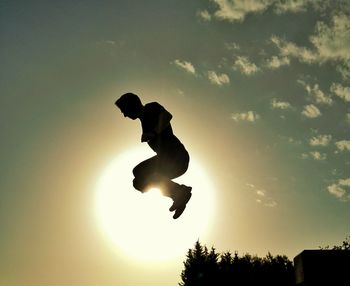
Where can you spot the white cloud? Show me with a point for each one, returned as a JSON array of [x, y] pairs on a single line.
[[218, 79], [315, 154], [106, 43], [270, 203], [293, 141], [320, 140], [336, 190], [292, 6], [267, 202], [232, 46], [318, 156], [343, 145], [187, 66], [276, 62], [180, 92], [204, 15], [249, 116], [280, 104], [289, 49], [340, 190], [110, 42], [260, 193], [297, 6], [345, 182], [262, 196], [245, 66], [342, 91], [318, 95], [331, 42], [344, 70], [304, 156], [236, 10], [250, 185], [311, 111]]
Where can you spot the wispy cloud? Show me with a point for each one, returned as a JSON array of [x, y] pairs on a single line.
[[342, 91], [218, 79], [314, 155], [243, 65], [250, 116], [293, 140], [316, 93], [237, 10], [180, 92], [318, 156], [289, 49], [270, 203], [311, 111], [320, 140], [106, 43], [276, 62], [293, 6], [187, 66], [276, 104], [232, 46], [344, 70], [340, 190], [330, 41], [204, 15], [262, 196], [343, 145], [333, 41], [260, 193]]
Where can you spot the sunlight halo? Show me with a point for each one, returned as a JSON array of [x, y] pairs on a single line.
[[140, 225]]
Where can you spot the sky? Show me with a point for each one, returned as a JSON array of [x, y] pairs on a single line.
[[259, 91]]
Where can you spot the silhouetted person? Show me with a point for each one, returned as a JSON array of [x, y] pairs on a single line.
[[172, 158]]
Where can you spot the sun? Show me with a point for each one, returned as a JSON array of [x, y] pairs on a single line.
[[140, 225]]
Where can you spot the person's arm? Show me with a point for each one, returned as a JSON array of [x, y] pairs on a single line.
[[162, 122], [147, 136]]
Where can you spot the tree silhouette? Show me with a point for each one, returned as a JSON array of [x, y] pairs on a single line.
[[201, 266], [207, 267], [204, 267], [344, 246]]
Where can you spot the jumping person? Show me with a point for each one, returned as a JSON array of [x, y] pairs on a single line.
[[171, 159]]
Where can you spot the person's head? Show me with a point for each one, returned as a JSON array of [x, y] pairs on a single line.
[[130, 105]]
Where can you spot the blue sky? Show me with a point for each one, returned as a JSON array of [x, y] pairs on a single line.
[[260, 94]]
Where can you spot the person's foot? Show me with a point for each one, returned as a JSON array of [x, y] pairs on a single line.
[[179, 210], [180, 201], [182, 193]]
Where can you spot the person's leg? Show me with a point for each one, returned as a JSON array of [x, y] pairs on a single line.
[[158, 172], [181, 194], [143, 173], [172, 166], [154, 172]]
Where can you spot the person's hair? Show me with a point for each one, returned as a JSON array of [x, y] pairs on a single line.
[[128, 99]]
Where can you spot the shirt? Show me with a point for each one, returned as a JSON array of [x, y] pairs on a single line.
[[165, 142]]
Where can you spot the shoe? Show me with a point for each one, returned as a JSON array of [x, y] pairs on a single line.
[[183, 195], [180, 209]]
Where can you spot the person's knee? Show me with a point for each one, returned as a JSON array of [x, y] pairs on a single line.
[[139, 184], [136, 171]]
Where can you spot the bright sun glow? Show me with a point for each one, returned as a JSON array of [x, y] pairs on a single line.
[[140, 225]]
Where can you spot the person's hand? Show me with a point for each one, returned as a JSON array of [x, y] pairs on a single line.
[[147, 136]]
